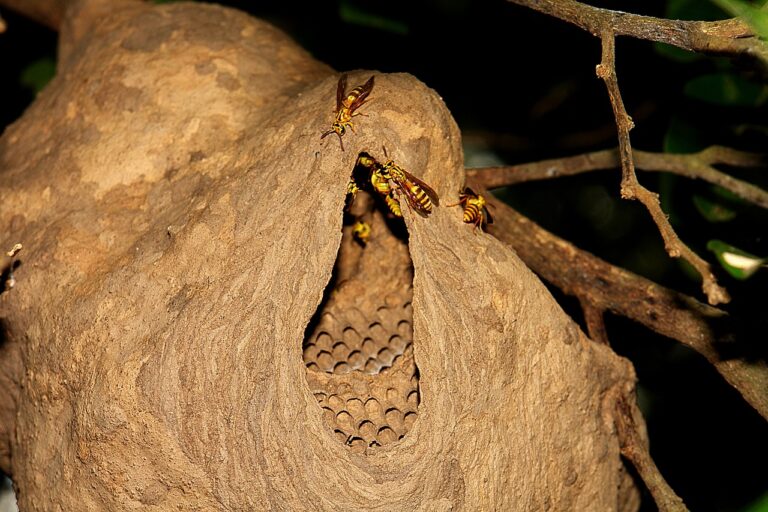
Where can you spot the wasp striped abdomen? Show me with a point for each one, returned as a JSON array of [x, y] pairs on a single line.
[[475, 209]]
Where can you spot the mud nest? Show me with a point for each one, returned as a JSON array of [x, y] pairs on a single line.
[[359, 348]]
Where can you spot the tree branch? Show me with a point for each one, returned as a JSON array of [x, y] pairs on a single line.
[[631, 188], [636, 451], [46, 12], [725, 37], [707, 330], [694, 165], [593, 318], [606, 25]]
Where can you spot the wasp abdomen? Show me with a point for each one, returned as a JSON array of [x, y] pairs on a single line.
[[471, 213]]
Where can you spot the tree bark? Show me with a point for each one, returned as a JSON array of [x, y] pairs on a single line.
[[181, 220]]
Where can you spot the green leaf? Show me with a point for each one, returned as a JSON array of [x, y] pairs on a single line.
[[713, 211], [719, 204], [683, 137], [726, 89], [37, 74], [755, 15], [694, 10], [739, 264], [759, 505], [677, 54], [354, 15]]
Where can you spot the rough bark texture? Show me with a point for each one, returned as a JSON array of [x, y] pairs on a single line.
[[181, 219]]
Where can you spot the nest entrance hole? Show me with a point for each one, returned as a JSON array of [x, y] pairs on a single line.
[[358, 349]]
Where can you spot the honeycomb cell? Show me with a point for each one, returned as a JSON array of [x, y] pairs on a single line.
[[342, 368], [377, 331], [409, 419], [336, 402], [356, 408], [386, 435], [340, 351], [397, 344], [369, 347], [367, 429], [356, 359], [372, 366], [394, 417], [350, 336], [323, 341], [373, 408], [325, 361], [357, 444], [341, 435], [386, 356], [345, 421]]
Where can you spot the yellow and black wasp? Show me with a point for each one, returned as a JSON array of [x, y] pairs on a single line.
[[346, 104], [475, 209], [391, 182], [361, 231], [418, 195]]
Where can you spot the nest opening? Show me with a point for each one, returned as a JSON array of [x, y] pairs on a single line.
[[358, 348]]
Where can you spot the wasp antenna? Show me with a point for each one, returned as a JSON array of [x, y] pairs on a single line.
[[341, 141], [385, 152], [326, 134]]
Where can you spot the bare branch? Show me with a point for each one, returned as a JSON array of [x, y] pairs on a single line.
[[593, 317], [694, 165], [730, 37], [635, 450], [47, 12], [707, 330], [52, 13], [631, 188]]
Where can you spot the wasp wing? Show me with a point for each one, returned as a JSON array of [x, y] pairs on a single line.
[[340, 89], [411, 199], [365, 90], [488, 216], [427, 189]]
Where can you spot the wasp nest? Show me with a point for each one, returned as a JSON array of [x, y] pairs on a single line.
[[359, 350]]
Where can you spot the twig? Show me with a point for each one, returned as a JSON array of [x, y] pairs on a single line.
[[606, 24], [631, 188], [593, 318], [726, 37], [707, 330], [636, 451], [47, 12], [694, 165]]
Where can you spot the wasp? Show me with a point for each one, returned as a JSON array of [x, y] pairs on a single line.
[[475, 209], [392, 181], [418, 195], [346, 104], [362, 232], [369, 174]]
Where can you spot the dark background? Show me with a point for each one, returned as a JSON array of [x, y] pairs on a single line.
[[522, 87]]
